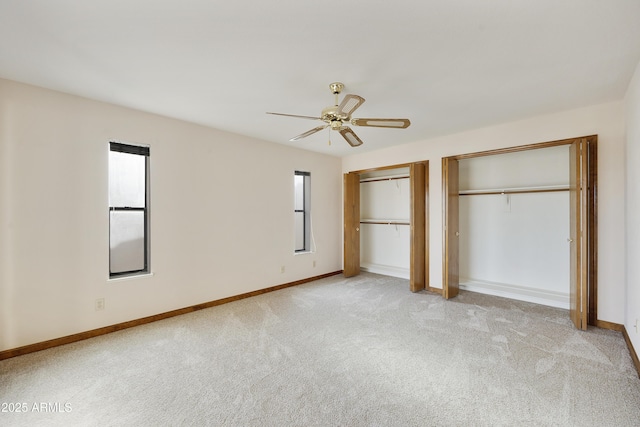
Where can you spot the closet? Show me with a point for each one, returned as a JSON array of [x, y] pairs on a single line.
[[521, 222], [514, 225], [385, 222]]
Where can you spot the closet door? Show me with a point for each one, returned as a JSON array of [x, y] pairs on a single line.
[[419, 262], [450, 190], [351, 224], [578, 232]]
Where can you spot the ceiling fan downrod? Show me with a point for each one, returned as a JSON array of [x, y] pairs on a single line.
[[336, 88]]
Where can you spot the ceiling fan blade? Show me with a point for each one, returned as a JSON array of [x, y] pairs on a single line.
[[382, 123], [295, 115], [348, 105], [309, 132], [350, 136]]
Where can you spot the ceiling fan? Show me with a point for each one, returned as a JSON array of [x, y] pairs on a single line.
[[336, 116]]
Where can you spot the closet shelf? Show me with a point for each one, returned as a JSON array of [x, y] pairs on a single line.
[[515, 190], [385, 221]]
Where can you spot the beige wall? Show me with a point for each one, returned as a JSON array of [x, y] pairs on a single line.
[[632, 295], [221, 208], [221, 214], [606, 120]]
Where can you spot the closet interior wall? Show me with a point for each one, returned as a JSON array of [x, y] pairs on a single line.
[[385, 232], [514, 225]]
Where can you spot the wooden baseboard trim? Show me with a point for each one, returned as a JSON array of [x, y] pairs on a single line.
[[609, 325], [620, 328], [31, 348], [632, 351]]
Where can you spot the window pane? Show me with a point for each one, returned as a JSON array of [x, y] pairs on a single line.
[[126, 179], [126, 241], [299, 192], [299, 227]]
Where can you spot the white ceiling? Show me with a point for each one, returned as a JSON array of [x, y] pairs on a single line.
[[447, 65]]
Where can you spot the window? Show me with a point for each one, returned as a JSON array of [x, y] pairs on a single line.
[[302, 211], [128, 209]]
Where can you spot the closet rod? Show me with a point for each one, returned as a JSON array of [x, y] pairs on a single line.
[[385, 222], [501, 192], [391, 178]]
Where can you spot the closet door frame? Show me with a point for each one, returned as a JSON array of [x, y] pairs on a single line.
[[584, 286], [419, 222]]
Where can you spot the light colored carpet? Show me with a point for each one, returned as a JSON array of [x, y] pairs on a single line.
[[337, 352]]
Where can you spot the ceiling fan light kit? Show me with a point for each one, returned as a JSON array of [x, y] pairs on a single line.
[[336, 116]]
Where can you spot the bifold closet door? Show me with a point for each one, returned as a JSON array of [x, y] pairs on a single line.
[[351, 224], [451, 230], [419, 262], [578, 167]]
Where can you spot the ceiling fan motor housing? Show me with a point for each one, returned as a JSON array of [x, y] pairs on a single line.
[[330, 116]]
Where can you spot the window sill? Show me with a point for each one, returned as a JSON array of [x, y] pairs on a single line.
[[130, 277]]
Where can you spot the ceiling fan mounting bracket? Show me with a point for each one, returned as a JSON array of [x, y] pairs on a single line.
[[336, 87]]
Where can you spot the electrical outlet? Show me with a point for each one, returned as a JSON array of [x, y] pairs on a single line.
[[99, 304], [282, 269], [637, 326], [314, 263]]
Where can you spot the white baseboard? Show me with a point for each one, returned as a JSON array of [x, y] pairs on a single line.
[[386, 270], [517, 292]]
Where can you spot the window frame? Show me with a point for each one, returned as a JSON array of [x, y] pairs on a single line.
[[306, 213], [140, 150]]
